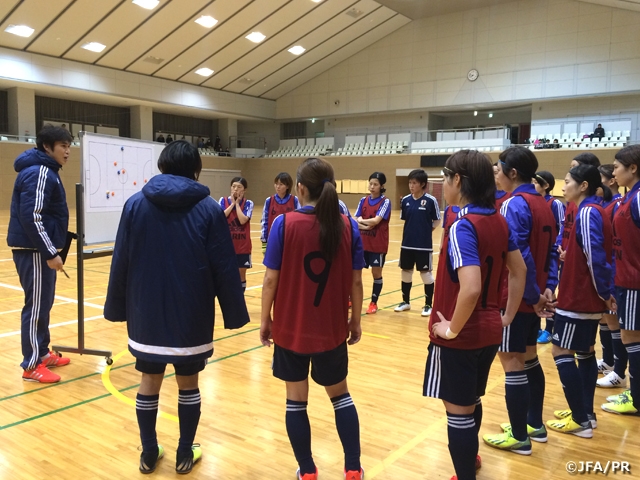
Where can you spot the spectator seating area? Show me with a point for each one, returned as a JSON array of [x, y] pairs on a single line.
[[456, 149], [617, 139], [378, 148], [301, 151], [207, 151]]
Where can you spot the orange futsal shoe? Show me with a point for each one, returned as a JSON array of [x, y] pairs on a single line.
[[40, 374], [55, 360], [307, 476], [373, 308], [354, 475]]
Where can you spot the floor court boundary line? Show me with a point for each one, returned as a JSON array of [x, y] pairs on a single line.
[[58, 297], [422, 436]]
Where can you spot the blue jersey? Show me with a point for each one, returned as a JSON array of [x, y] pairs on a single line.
[[273, 255], [343, 208], [419, 217]]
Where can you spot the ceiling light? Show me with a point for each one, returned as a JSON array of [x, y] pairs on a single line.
[[20, 30], [491, 115], [255, 37], [206, 21], [148, 4], [205, 72], [316, 1], [297, 50], [94, 47], [313, 120], [475, 113]]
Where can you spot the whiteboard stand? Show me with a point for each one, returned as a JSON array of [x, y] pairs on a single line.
[[82, 255]]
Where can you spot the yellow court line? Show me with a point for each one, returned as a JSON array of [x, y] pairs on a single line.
[[106, 381], [375, 335]]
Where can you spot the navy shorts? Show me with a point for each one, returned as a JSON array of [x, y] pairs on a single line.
[[457, 376], [522, 332], [421, 259], [182, 369], [374, 259], [244, 260], [628, 311], [575, 334], [327, 368]]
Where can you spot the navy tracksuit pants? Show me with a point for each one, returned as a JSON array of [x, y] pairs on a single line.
[[39, 284]]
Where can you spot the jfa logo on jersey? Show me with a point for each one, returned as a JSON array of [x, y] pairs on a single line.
[[423, 203]]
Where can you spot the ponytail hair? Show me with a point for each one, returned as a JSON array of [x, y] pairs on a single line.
[[318, 177]]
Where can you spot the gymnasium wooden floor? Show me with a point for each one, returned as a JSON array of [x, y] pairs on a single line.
[[85, 426]]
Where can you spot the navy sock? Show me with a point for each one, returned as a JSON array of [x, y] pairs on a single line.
[[477, 414], [244, 286], [348, 427], [147, 413], [537, 384], [188, 417], [463, 444], [549, 326], [572, 386], [588, 368], [633, 349], [620, 356], [406, 292], [428, 293], [377, 288], [517, 394], [607, 345], [299, 431]]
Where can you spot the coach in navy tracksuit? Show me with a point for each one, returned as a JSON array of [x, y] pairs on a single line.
[[172, 257], [37, 231]]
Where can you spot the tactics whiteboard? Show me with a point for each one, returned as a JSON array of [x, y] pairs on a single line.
[[112, 169]]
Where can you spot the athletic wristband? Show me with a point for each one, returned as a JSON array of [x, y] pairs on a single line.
[[450, 335]]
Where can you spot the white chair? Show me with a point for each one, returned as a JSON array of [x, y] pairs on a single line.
[[617, 134], [626, 134]]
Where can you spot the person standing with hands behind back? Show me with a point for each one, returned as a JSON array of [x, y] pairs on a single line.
[[37, 232], [238, 211], [320, 251]]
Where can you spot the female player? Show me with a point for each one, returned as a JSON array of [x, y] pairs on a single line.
[[372, 216], [584, 294], [320, 252], [609, 181], [467, 326], [613, 364], [544, 183], [501, 195], [626, 226], [238, 211], [534, 230], [175, 220], [281, 202]]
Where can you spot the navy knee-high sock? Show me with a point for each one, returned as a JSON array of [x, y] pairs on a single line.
[[189, 402], [537, 384], [477, 414], [517, 394], [572, 386], [377, 288], [549, 325], [620, 356], [463, 444], [406, 292], [348, 427], [607, 345], [147, 413], [633, 349], [428, 293], [299, 431], [588, 368]]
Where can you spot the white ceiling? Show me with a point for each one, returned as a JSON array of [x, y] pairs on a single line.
[[177, 46]]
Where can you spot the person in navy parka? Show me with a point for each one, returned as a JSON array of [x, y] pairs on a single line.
[[173, 255], [37, 232]]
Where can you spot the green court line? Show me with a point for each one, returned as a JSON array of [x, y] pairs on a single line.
[[64, 382], [100, 397]]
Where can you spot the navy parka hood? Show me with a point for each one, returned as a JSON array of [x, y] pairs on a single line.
[[34, 157], [174, 191]]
